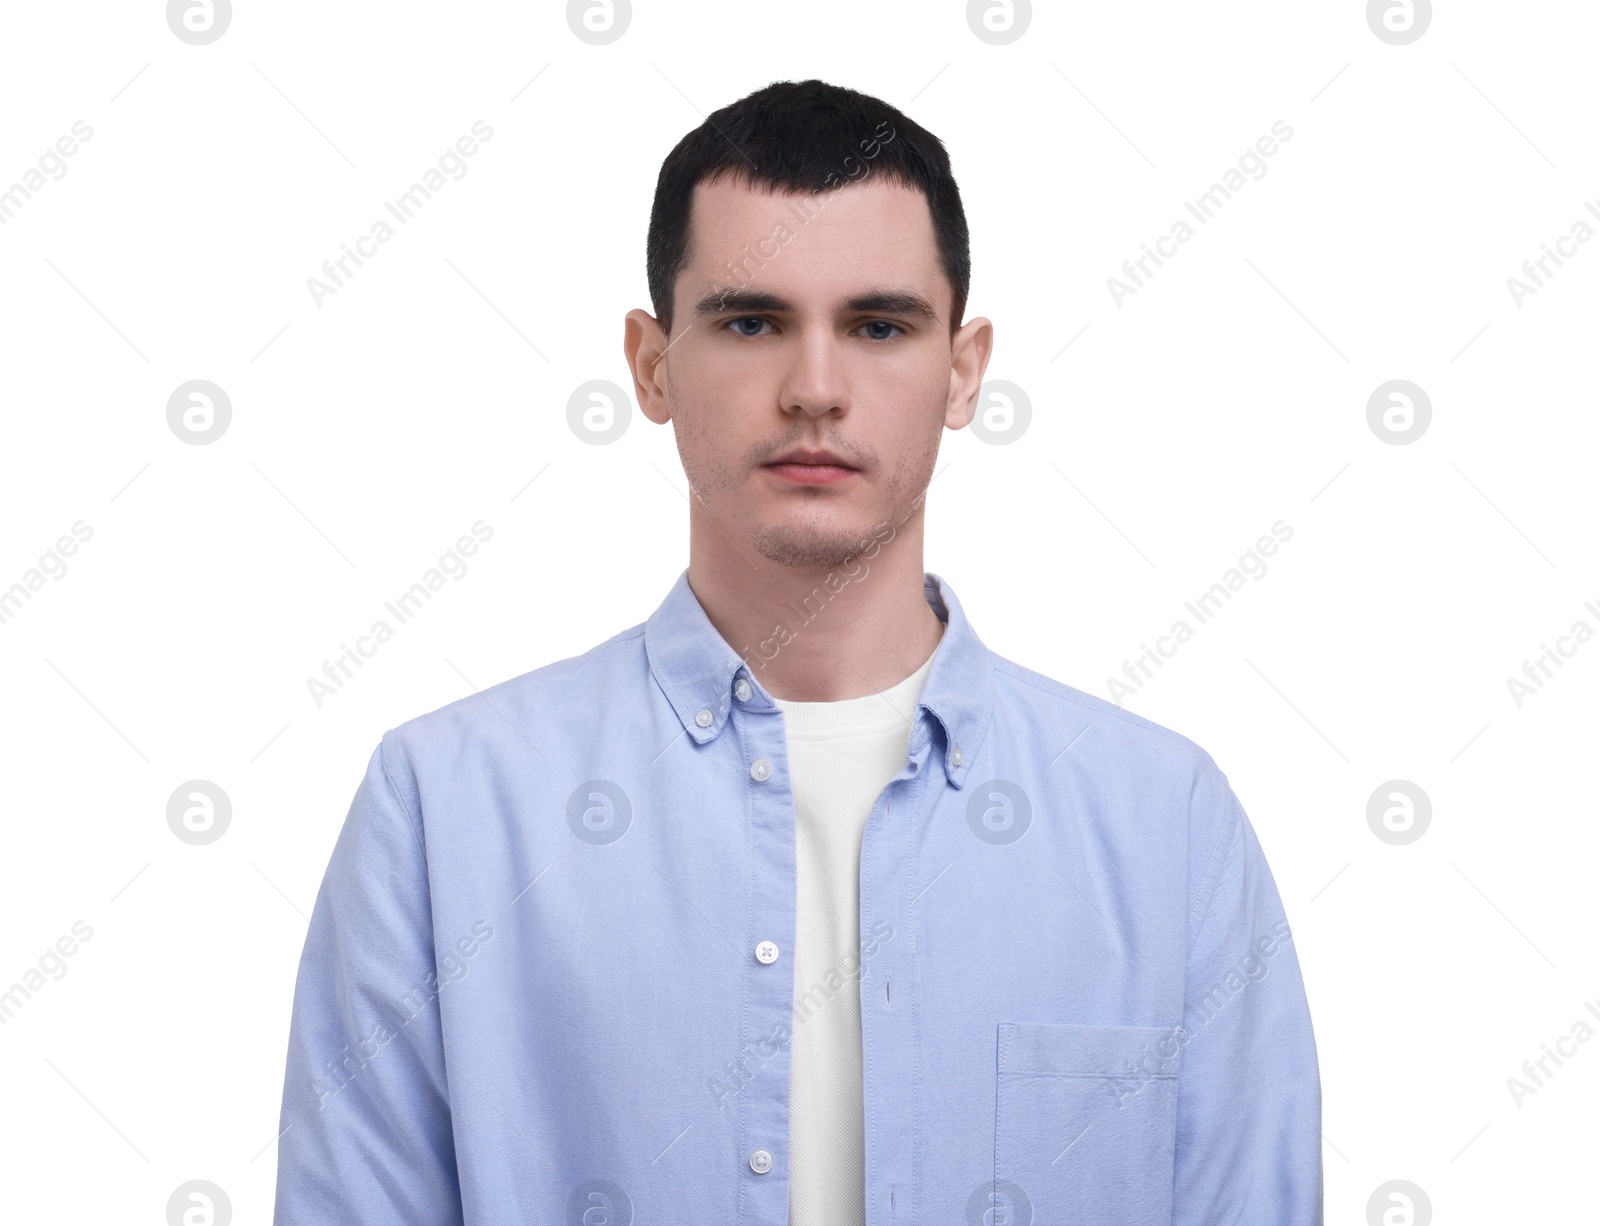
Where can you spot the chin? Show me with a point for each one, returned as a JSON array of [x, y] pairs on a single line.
[[810, 549]]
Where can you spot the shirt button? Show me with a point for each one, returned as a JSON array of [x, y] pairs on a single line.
[[956, 756], [741, 687], [760, 769], [761, 1162], [766, 952], [704, 719]]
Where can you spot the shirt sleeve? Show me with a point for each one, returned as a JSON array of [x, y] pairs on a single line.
[[365, 1127], [1249, 1128]]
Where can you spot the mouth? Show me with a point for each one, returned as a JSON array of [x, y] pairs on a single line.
[[811, 468]]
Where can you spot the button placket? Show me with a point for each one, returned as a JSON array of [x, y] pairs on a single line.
[[887, 1036], [764, 1101]]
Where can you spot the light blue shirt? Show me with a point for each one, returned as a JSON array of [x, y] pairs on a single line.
[[547, 978]]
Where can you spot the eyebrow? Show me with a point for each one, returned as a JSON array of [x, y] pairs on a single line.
[[874, 302]]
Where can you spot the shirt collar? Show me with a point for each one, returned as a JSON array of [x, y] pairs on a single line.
[[698, 670]]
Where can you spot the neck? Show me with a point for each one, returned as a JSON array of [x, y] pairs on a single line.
[[826, 633]]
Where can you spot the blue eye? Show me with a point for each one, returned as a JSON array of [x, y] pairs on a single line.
[[883, 323], [746, 319]]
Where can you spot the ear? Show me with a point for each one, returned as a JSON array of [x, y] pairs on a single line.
[[969, 358], [643, 345]]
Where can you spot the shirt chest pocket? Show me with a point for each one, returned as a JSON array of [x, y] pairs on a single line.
[[1085, 1122]]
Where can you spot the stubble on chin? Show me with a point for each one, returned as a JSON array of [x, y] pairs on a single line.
[[806, 549]]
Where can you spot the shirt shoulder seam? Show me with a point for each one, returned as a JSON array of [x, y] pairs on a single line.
[[1210, 880], [413, 821]]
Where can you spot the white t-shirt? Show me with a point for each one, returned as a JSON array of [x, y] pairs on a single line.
[[841, 755]]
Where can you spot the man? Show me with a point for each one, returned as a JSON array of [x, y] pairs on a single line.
[[795, 903]]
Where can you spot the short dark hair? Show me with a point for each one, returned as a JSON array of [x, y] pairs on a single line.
[[804, 136]]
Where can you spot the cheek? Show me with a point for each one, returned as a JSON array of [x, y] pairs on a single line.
[[916, 386], [728, 399], [708, 443], [912, 418], [712, 392]]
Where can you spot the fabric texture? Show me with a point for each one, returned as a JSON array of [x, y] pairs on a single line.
[[533, 989]]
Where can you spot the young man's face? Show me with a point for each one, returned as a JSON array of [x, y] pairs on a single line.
[[833, 337]]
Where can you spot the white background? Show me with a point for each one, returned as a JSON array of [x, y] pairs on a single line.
[[369, 432]]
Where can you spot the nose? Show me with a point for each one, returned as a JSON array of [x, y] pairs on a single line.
[[815, 382]]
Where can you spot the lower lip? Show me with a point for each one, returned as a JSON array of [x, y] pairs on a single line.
[[811, 474]]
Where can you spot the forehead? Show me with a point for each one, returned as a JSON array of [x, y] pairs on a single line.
[[877, 229]]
